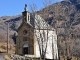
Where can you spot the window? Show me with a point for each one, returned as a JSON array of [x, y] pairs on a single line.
[[25, 39], [25, 32]]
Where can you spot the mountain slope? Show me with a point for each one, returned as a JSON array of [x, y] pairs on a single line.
[[63, 11], [64, 16], [14, 22]]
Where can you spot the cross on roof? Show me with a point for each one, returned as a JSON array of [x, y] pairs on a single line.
[[25, 7]]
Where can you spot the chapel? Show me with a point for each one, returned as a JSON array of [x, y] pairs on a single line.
[[25, 38], [32, 32]]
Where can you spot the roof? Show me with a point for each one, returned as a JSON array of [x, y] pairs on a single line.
[[40, 23], [37, 22]]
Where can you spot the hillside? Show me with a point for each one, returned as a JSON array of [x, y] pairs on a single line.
[[63, 11], [64, 16], [14, 22]]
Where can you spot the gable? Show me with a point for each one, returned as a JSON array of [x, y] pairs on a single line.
[[23, 25]]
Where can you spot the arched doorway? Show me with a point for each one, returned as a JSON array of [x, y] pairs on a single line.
[[25, 49]]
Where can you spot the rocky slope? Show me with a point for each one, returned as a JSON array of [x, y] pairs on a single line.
[[14, 22]]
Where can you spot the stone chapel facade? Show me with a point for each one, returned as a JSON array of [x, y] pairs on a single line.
[[29, 31], [25, 37]]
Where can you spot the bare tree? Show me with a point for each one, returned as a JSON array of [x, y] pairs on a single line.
[[47, 3], [66, 36], [42, 39], [42, 32], [33, 8]]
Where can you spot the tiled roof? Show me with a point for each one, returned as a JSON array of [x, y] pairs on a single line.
[[40, 23]]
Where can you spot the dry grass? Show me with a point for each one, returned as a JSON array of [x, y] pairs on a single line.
[[3, 48], [73, 58]]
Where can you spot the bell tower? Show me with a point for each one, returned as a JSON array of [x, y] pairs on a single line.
[[26, 15]]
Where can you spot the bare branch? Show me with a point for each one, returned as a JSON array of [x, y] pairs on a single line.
[[46, 3], [33, 8]]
